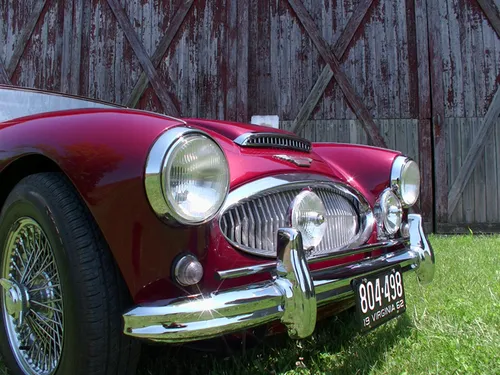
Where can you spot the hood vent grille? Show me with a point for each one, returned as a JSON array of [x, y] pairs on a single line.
[[273, 140]]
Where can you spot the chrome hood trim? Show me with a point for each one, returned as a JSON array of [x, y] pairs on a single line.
[[274, 140]]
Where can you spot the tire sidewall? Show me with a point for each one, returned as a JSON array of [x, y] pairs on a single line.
[[27, 200]]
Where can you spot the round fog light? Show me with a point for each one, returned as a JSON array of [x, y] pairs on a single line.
[[308, 215], [188, 270]]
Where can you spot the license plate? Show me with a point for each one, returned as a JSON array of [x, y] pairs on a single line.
[[379, 298]]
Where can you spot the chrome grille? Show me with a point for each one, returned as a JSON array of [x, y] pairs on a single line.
[[253, 223], [274, 140]]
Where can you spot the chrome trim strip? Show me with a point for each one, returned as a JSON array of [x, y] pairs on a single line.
[[153, 177], [269, 267], [286, 141], [245, 271], [298, 180], [290, 296]]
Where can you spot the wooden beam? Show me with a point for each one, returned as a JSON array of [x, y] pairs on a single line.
[[327, 54], [24, 37], [474, 153], [312, 99], [243, 61], [327, 74], [437, 91], [423, 88], [492, 13], [4, 78], [167, 103], [352, 26], [422, 47], [75, 69], [173, 28], [67, 47]]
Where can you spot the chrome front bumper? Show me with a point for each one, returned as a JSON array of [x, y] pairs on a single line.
[[291, 297]]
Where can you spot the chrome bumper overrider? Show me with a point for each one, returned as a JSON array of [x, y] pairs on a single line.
[[291, 297]]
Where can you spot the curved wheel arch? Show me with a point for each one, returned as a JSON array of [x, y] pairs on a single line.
[[29, 165]]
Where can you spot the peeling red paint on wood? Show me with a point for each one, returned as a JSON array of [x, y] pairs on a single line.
[[425, 70]]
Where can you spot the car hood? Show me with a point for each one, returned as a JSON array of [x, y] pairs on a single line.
[[365, 168], [232, 130]]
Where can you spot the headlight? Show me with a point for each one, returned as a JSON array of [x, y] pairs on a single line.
[[187, 176], [390, 212], [405, 180], [308, 216]]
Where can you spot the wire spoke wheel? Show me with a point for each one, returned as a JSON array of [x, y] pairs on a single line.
[[32, 303]]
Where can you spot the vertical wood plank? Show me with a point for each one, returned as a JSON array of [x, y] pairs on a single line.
[[242, 56], [67, 48], [232, 60], [422, 51], [456, 32], [419, 56], [426, 169], [491, 178], [467, 51], [497, 154], [478, 181], [413, 20], [436, 70], [468, 190], [454, 154], [75, 64], [478, 64]]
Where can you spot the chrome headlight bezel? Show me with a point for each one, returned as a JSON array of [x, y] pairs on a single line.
[[400, 166], [154, 180], [382, 213]]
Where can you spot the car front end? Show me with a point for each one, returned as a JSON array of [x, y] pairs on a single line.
[[292, 227]]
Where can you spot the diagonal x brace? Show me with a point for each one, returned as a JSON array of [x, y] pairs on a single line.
[[474, 153], [327, 54], [173, 27], [167, 103], [327, 74]]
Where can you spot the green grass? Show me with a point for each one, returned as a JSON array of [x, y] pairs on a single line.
[[452, 326]]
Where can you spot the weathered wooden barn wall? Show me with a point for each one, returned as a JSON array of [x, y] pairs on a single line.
[[465, 51], [414, 75]]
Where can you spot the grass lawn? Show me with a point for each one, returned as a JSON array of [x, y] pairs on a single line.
[[451, 326]]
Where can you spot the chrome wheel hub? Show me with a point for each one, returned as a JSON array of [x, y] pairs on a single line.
[[16, 299], [31, 304]]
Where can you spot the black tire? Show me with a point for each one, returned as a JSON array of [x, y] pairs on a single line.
[[93, 292]]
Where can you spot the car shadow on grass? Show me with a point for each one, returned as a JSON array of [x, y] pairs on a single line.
[[336, 347]]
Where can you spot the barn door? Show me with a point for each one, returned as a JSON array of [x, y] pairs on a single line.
[[465, 74], [372, 83]]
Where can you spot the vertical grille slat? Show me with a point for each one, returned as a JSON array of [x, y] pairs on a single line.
[[252, 224]]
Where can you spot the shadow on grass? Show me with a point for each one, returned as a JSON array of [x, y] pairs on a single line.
[[337, 347]]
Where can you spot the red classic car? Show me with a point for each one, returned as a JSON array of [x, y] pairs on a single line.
[[119, 225]]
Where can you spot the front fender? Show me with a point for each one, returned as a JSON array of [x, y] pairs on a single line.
[[366, 168], [103, 153]]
